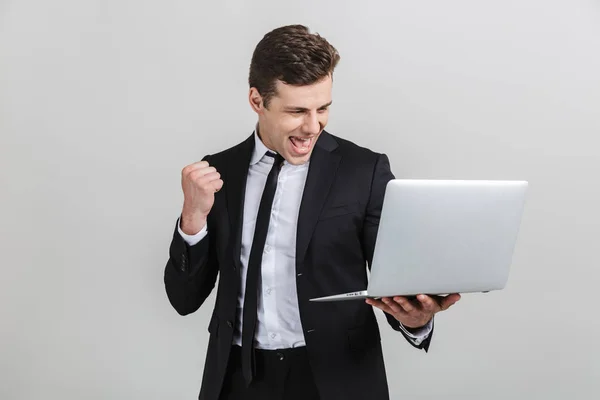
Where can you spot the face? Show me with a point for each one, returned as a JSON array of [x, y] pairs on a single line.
[[294, 118]]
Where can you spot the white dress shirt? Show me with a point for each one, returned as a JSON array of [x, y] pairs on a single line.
[[278, 324]]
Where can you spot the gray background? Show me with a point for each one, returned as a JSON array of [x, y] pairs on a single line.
[[103, 102]]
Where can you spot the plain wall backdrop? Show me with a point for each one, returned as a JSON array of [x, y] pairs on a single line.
[[102, 103]]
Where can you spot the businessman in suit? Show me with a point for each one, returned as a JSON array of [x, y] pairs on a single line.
[[289, 214]]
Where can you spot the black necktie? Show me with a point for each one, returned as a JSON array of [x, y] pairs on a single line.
[[254, 268]]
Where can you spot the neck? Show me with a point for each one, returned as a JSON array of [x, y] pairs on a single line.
[[262, 137]]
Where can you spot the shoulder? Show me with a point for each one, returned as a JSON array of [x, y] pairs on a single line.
[[356, 153], [225, 157]]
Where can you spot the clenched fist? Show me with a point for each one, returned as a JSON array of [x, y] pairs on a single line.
[[199, 182]]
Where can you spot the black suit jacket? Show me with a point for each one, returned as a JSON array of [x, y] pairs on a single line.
[[337, 226]]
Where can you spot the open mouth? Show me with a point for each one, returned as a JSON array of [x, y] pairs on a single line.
[[301, 144]]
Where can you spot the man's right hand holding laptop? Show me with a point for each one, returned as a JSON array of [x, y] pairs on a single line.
[[414, 313]]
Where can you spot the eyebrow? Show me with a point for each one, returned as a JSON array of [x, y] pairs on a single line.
[[292, 108]]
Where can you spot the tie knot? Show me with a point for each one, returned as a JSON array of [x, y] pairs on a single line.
[[278, 158]]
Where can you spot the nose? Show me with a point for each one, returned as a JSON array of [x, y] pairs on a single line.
[[312, 125]]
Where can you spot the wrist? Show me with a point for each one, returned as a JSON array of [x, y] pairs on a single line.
[[413, 328], [192, 222]]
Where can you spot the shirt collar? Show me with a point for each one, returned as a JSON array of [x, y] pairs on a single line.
[[259, 149]]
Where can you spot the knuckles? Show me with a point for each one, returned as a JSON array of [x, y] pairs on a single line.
[[188, 169], [197, 174]]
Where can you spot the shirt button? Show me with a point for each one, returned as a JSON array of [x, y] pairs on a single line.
[[269, 290], [273, 335], [267, 249]]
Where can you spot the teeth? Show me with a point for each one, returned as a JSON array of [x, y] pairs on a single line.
[[302, 143]]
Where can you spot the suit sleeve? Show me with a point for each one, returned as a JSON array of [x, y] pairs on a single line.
[[382, 174], [191, 271]]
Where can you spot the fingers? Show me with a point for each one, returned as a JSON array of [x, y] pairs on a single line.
[[199, 173], [197, 165], [438, 303], [393, 305], [217, 184], [399, 306], [380, 304], [449, 300], [406, 305], [201, 176], [211, 182], [428, 303]]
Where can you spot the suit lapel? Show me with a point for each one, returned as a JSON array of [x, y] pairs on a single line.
[[321, 173], [237, 176]]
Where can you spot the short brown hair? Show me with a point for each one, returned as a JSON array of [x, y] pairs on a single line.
[[292, 55]]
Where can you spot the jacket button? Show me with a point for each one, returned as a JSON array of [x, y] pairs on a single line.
[[230, 324], [183, 262]]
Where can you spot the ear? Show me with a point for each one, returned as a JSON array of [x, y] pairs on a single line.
[[256, 100]]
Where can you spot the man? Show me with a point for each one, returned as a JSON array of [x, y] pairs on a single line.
[[289, 214]]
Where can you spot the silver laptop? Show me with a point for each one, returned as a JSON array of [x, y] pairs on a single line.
[[443, 236]]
